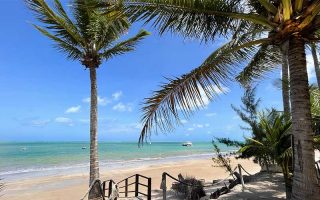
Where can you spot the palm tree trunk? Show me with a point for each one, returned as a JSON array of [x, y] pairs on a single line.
[[94, 161], [305, 184], [285, 81], [286, 109], [316, 62]]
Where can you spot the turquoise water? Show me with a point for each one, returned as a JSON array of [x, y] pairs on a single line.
[[45, 158]]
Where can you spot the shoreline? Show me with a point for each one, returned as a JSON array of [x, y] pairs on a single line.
[[74, 186], [104, 165]]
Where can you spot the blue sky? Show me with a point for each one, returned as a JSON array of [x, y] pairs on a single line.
[[43, 96]]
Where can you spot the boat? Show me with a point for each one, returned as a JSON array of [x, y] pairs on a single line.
[[187, 144], [84, 147]]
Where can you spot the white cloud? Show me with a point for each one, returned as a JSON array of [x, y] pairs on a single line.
[[230, 127], [190, 129], [236, 117], [122, 127], [85, 121], [64, 120], [183, 121], [102, 101], [310, 67], [201, 125], [39, 122], [211, 114], [73, 109], [122, 107], [116, 96]]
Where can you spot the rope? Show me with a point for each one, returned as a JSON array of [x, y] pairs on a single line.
[[90, 187], [245, 170], [191, 185], [221, 181], [92, 184]]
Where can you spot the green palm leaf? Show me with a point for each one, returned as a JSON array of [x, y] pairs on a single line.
[[185, 94], [59, 23], [72, 51], [203, 19], [266, 59], [124, 46]]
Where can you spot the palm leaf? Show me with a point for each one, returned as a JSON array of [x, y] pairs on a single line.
[[125, 46], [203, 19], [266, 59], [57, 22], [72, 51], [185, 94]]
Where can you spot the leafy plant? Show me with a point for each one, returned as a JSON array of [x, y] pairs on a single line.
[[190, 188], [220, 160], [273, 147]]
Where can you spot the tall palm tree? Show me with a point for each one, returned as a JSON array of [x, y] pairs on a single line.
[[296, 22], [88, 34]]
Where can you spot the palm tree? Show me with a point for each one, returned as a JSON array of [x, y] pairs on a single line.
[[295, 22], [273, 146], [90, 36]]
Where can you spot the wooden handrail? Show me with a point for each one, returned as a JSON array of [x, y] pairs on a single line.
[[126, 185]]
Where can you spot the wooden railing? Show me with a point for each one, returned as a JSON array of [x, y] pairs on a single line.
[[318, 168], [124, 187], [165, 175]]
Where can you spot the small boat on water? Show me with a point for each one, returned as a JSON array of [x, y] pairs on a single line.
[[187, 144], [84, 147]]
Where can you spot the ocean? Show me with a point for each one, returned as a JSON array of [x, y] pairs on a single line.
[[25, 160]]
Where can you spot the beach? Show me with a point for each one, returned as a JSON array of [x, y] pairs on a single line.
[[74, 186]]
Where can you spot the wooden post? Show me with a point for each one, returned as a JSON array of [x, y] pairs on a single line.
[[164, 186], [110, 188], [104, 189], [149, 188], [136, 192], [126, 188], [241, 177]]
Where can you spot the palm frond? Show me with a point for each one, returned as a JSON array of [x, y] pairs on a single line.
[[185, 94], [100, 22], [266, 59], [56, 21], [72, 51], [203, 19], [125, 46]]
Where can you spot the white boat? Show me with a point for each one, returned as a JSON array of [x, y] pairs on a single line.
[[187, 144], [84, 147]]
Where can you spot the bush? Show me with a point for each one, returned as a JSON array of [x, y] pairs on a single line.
[[190, 188]]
